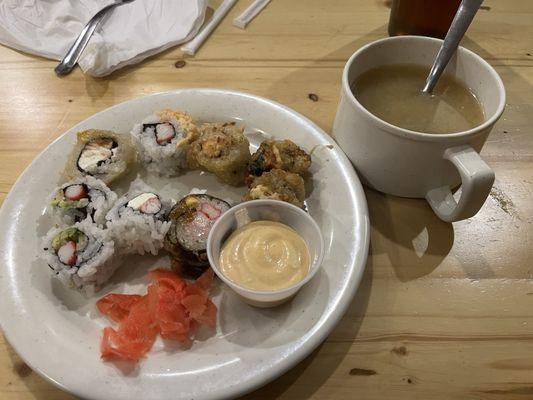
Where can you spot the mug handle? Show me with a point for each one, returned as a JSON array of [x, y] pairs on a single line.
[[476, 181]]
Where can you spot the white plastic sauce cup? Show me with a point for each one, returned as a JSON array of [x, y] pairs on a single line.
[[266, 210]]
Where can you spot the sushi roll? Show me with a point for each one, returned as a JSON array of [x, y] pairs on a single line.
[[186, 240], [138, 221], [163, 139], [103, 155], [81, 256], [81, 198], [223, 150], [278, 184], [279, 154]]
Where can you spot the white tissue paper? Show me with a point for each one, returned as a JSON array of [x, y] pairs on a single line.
[[127, 35]]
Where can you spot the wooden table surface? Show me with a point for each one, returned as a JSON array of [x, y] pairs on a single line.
[[444, 311]]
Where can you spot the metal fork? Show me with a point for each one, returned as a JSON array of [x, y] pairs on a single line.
[[68, 62]]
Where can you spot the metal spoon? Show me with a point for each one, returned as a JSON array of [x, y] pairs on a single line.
[[68, 62], [464, 16]]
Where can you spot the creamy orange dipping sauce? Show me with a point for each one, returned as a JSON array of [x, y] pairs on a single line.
[[265, 255]]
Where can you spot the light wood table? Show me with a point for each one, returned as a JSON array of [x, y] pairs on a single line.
[[444, 311]]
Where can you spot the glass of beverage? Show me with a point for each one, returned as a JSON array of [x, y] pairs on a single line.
[[422, 17]]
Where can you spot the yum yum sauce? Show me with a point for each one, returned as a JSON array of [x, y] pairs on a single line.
[[265, 255]]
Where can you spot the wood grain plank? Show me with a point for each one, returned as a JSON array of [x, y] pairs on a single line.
[[444, 311]]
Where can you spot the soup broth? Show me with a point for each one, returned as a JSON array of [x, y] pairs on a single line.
[[393, 94]]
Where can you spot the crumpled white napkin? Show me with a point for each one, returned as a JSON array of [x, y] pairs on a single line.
[[129, 34]]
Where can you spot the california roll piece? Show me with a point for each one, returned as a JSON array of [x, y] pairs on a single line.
[[186, 240], [81, 256], [279, 154], [223, 150], [104, 155], [278, 184], [81, 198], [163, 139], [138, 221]]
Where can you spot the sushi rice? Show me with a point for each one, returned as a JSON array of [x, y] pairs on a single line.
[[138, 221], [92, 260], [163, 140], [94, 200]]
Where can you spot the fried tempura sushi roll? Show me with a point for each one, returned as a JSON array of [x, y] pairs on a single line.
[[103, 155], [186, 240], [163, 139], [279, 185], [279, 154], [81, 256], [81, 198], [223, 150]]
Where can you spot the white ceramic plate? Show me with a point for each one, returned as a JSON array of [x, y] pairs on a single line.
[[57, 331]]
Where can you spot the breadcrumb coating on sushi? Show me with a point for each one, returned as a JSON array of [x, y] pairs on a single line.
[[106, 155], [186, 122], [223, 150], [278, 184], [279, 154]]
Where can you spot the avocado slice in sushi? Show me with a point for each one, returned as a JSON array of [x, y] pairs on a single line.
[[70, 234], [186, 240], [81, 198], [67, 243], [81, 256], [73, 196]]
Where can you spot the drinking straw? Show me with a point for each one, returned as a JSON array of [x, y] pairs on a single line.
[[192, 46], [250, 13]]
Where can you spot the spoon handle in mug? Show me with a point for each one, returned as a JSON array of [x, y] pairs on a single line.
[[464, 16]]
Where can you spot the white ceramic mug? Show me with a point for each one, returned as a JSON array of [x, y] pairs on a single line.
[[412, 164]]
